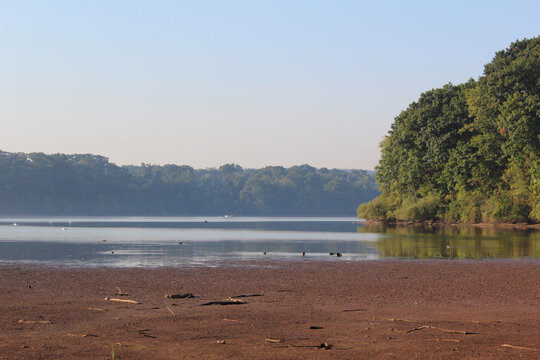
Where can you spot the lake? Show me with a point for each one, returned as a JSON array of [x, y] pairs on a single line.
[[209, 241]]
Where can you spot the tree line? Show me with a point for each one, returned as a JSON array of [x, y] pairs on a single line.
[[85, 184], [467, 152]]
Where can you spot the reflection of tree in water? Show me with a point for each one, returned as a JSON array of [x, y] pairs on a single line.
[[459, 242]]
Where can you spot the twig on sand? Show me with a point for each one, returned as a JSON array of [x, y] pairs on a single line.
[[172, 312], [144, 332], [448, 340], [248, 295], [235, 321], [270, 340], [123, 300], [96, 309], [416, 329], [227, 301], [22, 321], [180, 296], [81, 335], [120, 293], [351, 310], [449, 331], [519, 347]]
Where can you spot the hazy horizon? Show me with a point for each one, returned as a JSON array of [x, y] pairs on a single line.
[[255, 84]]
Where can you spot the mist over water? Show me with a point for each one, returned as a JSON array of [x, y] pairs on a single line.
[[210, 241]]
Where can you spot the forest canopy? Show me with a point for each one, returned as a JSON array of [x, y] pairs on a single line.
[[468, 152], [39, 184]]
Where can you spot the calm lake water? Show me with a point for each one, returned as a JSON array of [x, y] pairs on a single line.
[[208, 241]]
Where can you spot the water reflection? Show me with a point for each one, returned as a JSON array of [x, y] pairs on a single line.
[[454, 242], [191, 241]]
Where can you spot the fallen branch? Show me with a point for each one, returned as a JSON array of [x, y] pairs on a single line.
[[180, 296], [449, 331], [96, 309], [172, 312], [236, 321], [325, 346], [81, 335], [403, 320], [122, 300], [249, 295], [22, 321], [272, 340], [519, 347], [120, 293], [143, 332], [449, 340], [228, 301], [418, 328], [351, 310]]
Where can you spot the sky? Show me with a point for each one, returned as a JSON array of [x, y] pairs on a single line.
[[255, 83]]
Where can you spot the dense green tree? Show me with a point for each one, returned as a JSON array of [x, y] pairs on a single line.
[[469, 152]]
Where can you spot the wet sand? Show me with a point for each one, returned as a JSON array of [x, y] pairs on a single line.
[[365, 310]]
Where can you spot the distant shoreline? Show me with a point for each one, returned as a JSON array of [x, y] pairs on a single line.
[[453, 224]]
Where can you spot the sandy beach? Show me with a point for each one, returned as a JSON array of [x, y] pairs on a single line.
[[360, 310]]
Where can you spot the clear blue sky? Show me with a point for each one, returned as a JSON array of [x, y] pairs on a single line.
[[256, 83]]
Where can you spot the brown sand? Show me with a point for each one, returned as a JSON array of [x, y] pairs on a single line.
[[448, 310]]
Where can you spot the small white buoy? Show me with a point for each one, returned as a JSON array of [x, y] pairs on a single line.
[[14, 224]]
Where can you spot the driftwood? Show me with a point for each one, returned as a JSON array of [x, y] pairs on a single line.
[[96, 309], [120, 293], [448, 331], [227, 301], [235, 321], [123, 300], [22, 321], [180, 296], [172, 312], [519, 347], [249, 295], [224, 302], [144, 332], [351, 310], [325, 346], [315, 327], [272, 340], [81, 335]]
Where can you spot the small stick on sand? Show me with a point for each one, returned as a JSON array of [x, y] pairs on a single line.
[[249, 295], [81, 335], [418, 328], [22, 321], [235, 321], [96, 309], [120, 293], [123, 300], [272, 340], [227, 301], [449, 331], [519, 347], [172, 312], [180, 296]]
